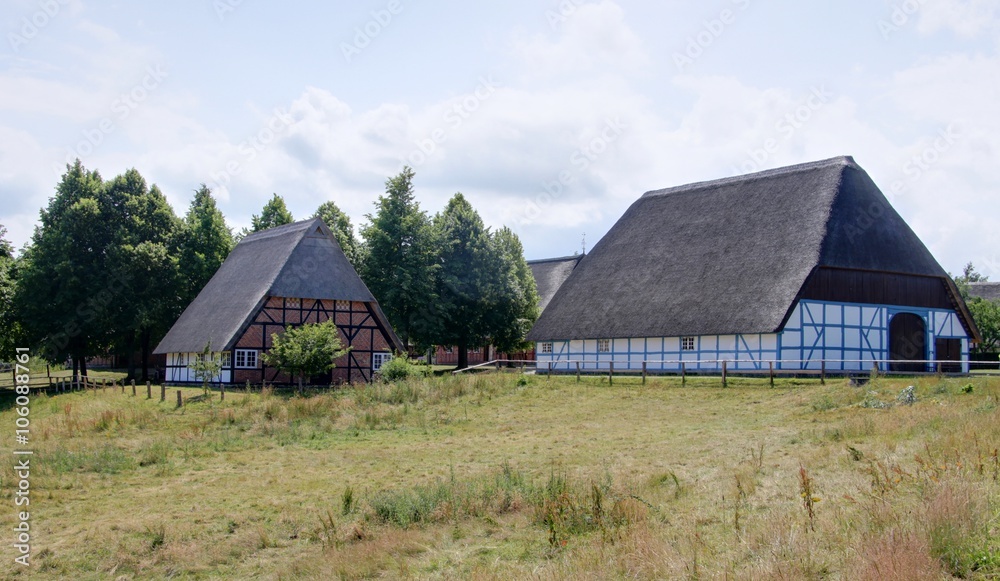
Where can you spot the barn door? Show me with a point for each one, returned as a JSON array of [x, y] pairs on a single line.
[[948, 350], [907, 342]]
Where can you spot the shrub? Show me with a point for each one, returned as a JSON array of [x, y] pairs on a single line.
[[397, 369]]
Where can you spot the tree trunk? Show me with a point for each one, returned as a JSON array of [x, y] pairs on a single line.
[[130, 354], [463, 354], [76, 368], [83, 366], [145, 355]]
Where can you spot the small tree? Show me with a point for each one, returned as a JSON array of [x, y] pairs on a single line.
[[206, 367], [307, 350]]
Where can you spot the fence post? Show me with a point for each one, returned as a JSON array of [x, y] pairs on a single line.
[[724, 378], [222, 391], [822, 372], [133, 388], [123, 386], [179, 401], [578, 372], [163, 392], [644, 373], [149, 390], [611, 373], [549, 376], [770, 369], [683, 373]]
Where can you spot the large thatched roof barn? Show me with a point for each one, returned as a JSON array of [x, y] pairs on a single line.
[[802, 264], [289, 275], [985, 290]]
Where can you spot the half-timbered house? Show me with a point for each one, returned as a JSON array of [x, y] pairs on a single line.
[[807, 265], [283, 277]]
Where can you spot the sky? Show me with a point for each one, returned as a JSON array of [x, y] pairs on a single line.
[[550, 116]]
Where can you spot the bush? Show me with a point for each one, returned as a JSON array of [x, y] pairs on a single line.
[[397, 369]]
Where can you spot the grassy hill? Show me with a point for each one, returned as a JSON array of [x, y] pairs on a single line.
[[498, 477]]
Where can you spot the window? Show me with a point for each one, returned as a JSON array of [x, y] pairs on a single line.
[[687, 344], [604, 345], [449, 350], [380, 359], [343, 305], [545, 347], [246, 358], [292, 303], [227, 359], [475, 350]]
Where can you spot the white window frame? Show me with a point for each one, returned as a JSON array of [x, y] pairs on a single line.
[[545, 347], [689, 343], [227, 359], [604, 345], [249, 358], [379, 359]]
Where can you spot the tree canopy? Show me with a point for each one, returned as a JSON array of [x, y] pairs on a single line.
[[400, 263], [9, 326], [203, 243], [340, 224], [984, 312], [275, 213]]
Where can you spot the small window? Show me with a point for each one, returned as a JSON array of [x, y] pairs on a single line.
[[292, 303], [227, 359], [449, 350], [545, 348], [475, 350], [380, 359], [604, 345], [687, 344], [343, 305], [246, 358]]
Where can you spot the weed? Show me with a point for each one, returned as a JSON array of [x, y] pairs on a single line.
[[809, 498], [347, 501], [908, 396]]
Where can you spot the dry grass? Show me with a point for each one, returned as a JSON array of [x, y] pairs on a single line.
[[489, 477]]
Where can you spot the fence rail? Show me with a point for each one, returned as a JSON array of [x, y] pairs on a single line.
[[742, 367]]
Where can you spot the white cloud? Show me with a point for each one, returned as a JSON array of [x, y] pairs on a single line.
[[968, 18]]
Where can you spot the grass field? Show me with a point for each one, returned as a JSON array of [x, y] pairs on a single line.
[[504, 476]]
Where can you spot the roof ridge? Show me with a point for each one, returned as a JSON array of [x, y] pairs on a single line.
[[278, 230], [560, 259], [842, 160]]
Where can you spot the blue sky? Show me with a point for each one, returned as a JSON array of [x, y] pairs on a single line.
[[551, 116]]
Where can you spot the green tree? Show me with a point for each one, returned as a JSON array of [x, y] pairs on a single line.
[[9, 326], [64, 293], [340, 224], [207, 366], [514, 307], [399, 264], [307, 350], [274, 214], [203, 243], [984, 312], [143, 229], [465, 281]]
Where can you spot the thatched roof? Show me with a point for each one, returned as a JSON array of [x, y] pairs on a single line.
[[549, 274], [731, 255], [986, 290], [299, 260]]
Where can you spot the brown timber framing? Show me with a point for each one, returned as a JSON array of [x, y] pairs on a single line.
[[270, 318]]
